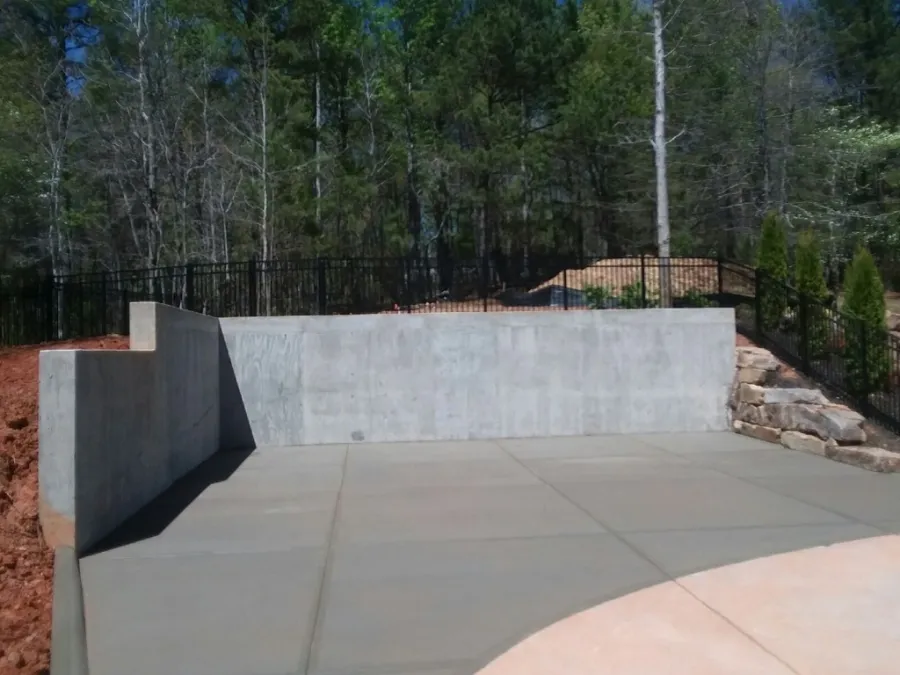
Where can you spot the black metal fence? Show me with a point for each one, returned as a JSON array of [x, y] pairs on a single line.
[[858, 361], [41, 308]]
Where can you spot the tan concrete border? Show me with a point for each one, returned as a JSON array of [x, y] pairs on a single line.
[[825, 609]]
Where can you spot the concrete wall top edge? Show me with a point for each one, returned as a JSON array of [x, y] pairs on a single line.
[[289, 324], [147, 319], [49, 353], [114, 354], [91, 350], [184, 318]]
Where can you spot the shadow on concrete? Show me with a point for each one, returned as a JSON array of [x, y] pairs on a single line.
[[236, 431], [159, 513]]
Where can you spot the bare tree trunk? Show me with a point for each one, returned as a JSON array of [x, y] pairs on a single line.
[[208, 179], [659, 148], [265, 247], [786, 146], [318, 148], [57, 245], [413, 207], [148, 144], [523, 168], [762, 125]]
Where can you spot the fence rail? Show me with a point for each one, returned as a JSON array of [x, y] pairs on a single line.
[[856, 360], [36, 309]]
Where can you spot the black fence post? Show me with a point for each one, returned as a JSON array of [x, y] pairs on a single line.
[[406, 301], [485, 275], [566, 287], [429, 274], [103, 304], [82, 324], [644, 283], [50, 303], [322, 285], [125, 328], [803, 316], [158, 285], [252, 296], [720, 278], [189, 287], [864, 367]]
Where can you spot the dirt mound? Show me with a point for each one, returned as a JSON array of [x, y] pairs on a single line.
[[26, 564], [687, 274]]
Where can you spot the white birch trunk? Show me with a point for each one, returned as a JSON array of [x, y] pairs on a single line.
[[318, 148], [659, 148]]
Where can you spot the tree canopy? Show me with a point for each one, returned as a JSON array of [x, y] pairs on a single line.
[[155, 132]]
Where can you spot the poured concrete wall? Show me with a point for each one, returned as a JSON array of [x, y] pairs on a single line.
[[119, 427], [307, 380]]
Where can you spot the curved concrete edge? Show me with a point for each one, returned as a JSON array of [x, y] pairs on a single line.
[[827, 609], [68, 638]]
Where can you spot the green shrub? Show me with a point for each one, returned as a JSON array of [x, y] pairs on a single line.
[[865, 332], [633, 297], [809, 272], [598, 297], [694, 298], [772, 262], [809, 278]]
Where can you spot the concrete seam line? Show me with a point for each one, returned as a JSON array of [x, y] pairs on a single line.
[[68, 638]]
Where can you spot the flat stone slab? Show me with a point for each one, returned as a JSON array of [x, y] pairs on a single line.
[[827, 422], [756, 395], [435, 558], [756, 358]]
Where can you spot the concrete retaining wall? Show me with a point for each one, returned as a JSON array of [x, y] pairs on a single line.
[[308, 380], [119, 427]]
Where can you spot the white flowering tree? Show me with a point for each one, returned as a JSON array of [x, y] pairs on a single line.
[[855, 157]]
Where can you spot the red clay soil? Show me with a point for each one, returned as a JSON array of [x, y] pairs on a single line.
[[26, 564]]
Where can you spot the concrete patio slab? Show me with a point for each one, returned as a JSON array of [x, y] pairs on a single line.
[[671, 503], [434, 451], [773, 462], [461, 598], [435, 558], [614, 468], [234, 526], [460, 512], [688, 551], [225, 614], [367, 476], [286, 458], [569, 447], [719, 441], [285, 482], [863, 496]]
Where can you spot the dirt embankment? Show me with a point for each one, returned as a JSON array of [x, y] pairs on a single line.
[[26, 564], [686, 274]]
